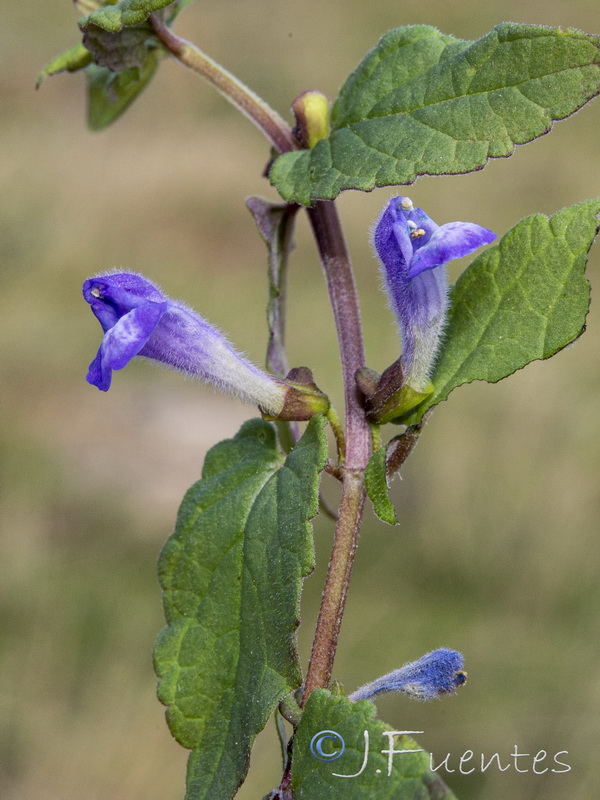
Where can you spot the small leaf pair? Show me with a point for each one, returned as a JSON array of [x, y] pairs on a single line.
[[119, 54]]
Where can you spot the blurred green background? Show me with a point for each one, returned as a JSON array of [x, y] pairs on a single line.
[[498, 548]]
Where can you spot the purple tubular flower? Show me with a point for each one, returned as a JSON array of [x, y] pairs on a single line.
[[437, 673], [139, 320], [413, 249]]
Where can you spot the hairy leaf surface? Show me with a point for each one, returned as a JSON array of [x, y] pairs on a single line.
[[113, 18], [423, 103], [71, 60], [111, 93], [377, 487], [315, 779], [522, 299], [231, 575]]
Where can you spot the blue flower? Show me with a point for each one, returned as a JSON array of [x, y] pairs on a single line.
[[413, 249], [139, 320], [435, 674]]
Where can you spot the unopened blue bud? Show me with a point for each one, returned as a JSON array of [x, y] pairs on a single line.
[[413, 250], [433, 675]]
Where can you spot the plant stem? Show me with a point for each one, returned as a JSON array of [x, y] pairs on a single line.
[[251, 105], [344, 301], [342, 291], [330, 240], [336, 586]]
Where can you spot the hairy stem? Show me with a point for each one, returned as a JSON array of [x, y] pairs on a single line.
[[330, 240], [336, 585], [342, 291], [251, 105]]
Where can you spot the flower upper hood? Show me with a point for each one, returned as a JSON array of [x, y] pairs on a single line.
[[413, 250]]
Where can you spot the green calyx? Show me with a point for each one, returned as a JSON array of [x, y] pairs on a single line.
[[387, 397], [303, 398], [398, 405]]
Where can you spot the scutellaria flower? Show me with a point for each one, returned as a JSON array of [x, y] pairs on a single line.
[[139, 320], [433, 675], [413, 250]]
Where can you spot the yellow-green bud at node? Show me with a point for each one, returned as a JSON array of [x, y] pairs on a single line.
[[311, 109]]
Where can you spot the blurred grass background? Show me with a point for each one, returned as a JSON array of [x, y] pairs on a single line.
[[498, 551]]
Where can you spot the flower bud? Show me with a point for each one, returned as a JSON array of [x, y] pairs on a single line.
[[434, 674], [311, 109]]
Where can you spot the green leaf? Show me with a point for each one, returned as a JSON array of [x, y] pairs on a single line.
[[125, 14], [523, 299], [111, 93], [75, 58], [377, 486], [315, 779], [423, 103], [231, 575], [383, 465]]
